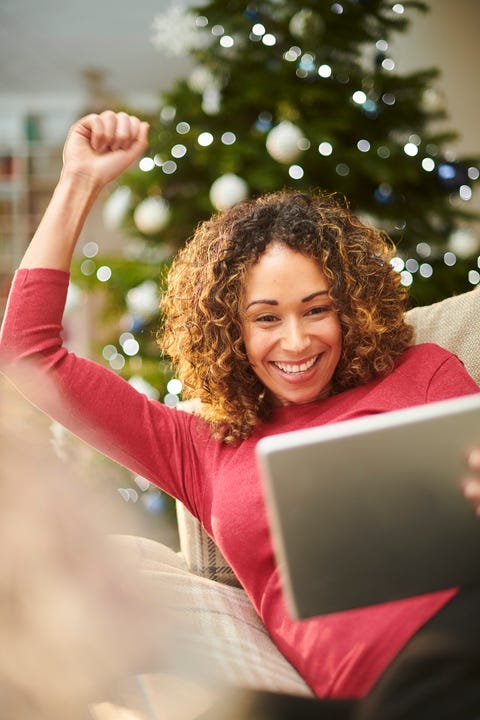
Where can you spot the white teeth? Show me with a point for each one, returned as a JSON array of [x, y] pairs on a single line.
[[285, 367]]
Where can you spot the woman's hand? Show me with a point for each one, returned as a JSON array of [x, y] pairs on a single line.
[[97, 150], [471, 483], [100, 147]]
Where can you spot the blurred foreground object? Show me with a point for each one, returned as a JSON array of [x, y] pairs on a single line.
[[72, 621]]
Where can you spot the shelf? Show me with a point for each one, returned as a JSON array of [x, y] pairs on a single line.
[[28, 173]]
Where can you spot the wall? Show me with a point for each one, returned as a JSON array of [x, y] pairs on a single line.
[[447, 38]]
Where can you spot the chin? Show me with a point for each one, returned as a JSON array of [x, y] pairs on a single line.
[[298, 400], [302, 399]]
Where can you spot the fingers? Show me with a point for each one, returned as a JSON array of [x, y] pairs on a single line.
[[471, 484], [112, 131], [473, 459], [471, 491], [126, 131]]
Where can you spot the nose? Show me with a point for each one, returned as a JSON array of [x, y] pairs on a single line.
[[295, 339]]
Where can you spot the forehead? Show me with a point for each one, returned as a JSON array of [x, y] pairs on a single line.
[[283, 270]]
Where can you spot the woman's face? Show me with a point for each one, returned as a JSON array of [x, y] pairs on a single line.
[[291, 331]]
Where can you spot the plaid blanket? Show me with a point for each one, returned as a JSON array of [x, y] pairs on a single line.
[[211, 639]]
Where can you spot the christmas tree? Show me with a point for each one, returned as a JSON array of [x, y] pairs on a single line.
[[297, 93]]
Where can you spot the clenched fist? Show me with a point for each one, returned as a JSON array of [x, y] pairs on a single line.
[[101, 147]]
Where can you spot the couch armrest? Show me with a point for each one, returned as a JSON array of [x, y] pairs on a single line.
[[199, 551], [454, 324]]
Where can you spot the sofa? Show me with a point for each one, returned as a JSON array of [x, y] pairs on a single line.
[[224, 640]]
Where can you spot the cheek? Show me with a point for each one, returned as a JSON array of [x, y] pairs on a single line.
[[247, 342], [339, 337], [339, 347], [335, 339], [336, 331], [254, 345], [251, 353]]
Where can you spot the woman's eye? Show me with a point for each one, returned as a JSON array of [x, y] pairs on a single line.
[[318, 310], [266, 318]]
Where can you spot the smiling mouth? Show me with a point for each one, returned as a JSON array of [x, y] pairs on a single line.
[[297, 368]]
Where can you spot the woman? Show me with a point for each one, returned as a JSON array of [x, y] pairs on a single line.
[[281, 313]]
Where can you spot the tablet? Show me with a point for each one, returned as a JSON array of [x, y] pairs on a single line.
[[370, 510]]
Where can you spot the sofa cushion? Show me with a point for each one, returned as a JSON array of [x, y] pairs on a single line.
[[454, 324], [216, 639]]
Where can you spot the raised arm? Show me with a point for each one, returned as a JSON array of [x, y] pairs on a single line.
[[97, 150], [90, 400]]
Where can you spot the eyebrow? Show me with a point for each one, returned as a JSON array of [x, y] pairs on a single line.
[[275, 302]]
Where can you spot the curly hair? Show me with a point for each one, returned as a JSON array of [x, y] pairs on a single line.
[[202, 305]]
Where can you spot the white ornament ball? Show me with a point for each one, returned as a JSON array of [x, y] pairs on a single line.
[[211, 99], [306, 23], [116, 207], [151, 215], [142, 301], [201, 79], [144, 387], [433, 100], [228, 190], [283, 142], [463, 243], [74, 297]]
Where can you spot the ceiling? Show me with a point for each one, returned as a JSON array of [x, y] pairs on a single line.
[[46, 47]]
